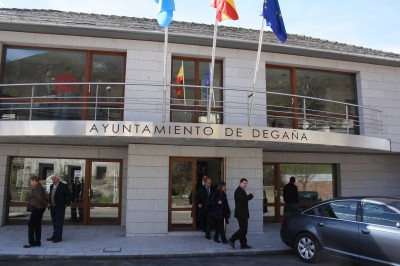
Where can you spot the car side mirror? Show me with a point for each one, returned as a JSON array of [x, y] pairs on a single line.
[[398, 225]]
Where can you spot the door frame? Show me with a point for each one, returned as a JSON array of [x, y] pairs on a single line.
[[194, 185], [86, 198], [277, 205]]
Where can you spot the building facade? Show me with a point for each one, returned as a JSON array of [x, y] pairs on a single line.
[[82, 95]]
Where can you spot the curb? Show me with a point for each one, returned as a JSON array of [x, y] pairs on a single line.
[[138, 257]]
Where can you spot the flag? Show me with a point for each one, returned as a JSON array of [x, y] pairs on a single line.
[[207, 82], [166, 10], [226, 9], [179, 80], [273, 15]]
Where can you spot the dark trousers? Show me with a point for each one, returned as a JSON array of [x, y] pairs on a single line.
[[220, 229], [35, 227], [209, 223], [202, 218], [57, 217], [241, 233]]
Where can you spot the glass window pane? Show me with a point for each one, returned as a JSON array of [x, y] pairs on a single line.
[[182, 95], [380, 215], [279, 81], [326, 85], [205, 81], [181, 191], [343, 210], [314, 181], [105, 182], [25, 65]]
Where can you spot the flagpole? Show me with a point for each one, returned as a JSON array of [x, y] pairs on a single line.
[[164, 115], [211, 94], [260, 43]]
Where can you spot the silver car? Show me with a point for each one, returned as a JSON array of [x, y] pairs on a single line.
[[360, 229]]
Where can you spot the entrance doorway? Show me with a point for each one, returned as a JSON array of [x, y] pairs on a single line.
[[272, 201], [185, 177], [95, 187]]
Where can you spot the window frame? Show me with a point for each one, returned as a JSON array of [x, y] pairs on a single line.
[[87, 75], [297, 111], [197, 109]]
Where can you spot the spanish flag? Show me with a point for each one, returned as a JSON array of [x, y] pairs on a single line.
[[180, 80], [226, 9]]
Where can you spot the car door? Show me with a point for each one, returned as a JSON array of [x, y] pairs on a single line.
[[337, 228], [380, 233]]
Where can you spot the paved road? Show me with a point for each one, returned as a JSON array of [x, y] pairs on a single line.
[[287, 260]]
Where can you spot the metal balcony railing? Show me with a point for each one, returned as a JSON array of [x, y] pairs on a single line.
[[147, 102]]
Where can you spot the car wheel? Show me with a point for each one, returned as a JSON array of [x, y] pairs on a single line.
[[307, 248]]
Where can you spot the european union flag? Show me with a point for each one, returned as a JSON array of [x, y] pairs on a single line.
[[207, 82], [166, 10], [273, 15]]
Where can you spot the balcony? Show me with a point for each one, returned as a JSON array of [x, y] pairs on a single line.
[[149, 102]]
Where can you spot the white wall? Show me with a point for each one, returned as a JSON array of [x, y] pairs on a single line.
[[378, 86], [360, 175], [69, 152], [148, 181]]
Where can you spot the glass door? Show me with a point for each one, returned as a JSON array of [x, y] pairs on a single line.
[[272, 197], [182, 194], [103, 192]]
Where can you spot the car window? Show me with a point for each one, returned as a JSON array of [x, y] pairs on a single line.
[[380, 214], [343, 210]]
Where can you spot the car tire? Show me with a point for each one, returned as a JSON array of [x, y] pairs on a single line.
[[307, 248]]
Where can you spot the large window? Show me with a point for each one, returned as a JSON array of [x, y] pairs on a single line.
[[189, 104], [95, 187], [315, 183], [70, 101], [289, 112]]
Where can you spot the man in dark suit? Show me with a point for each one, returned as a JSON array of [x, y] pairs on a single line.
[[241, 214], [59, 199], [203, 202], [291, 196]]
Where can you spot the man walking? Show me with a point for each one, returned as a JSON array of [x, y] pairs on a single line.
[[291, 196], [59, 199], [203, 202], [241, 214]]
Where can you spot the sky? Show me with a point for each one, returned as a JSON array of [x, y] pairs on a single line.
[[369, 23]]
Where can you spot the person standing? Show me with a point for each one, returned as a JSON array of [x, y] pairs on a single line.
[[241, 214], [203, 197], [291, 196], [220, 211], [59, 199], [77, 199], [38, 199]]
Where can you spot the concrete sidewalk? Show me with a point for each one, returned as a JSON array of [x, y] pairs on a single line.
[[110, 242]]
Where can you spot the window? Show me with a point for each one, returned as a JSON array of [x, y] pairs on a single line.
[[72, 102], [380, 214], [343, 210], [189, 104], [95, 186], [288, 112]]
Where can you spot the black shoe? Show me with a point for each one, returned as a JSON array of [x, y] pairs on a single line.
[[232, 244], [216, 240], [28, 246], [37, 244], [208, 237], [245, 247], [225, 242], [57, 240], [50, 239]]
